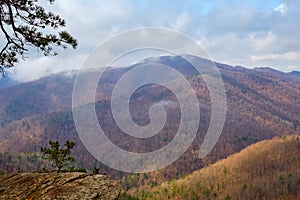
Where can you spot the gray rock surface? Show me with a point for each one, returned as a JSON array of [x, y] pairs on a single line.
[[42, 186]]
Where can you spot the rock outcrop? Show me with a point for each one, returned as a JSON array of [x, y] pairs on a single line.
[[71, 186]]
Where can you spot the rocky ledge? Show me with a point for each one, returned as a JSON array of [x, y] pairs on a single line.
[[42, 186]]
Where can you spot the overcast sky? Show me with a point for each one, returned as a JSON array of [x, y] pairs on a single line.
[[247, 33]]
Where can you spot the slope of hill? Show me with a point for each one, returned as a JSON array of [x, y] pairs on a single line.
[[260, 105], [269, 169]]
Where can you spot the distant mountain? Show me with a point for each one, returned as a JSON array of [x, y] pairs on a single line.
[[266, 170], [295, 73], [7, 81], [36, 97], [290, 75], [260, 105]]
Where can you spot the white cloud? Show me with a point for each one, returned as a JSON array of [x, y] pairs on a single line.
[[34, 68], [292, 68], [235, 32], [181, 23], [282, 9], [286, 56]]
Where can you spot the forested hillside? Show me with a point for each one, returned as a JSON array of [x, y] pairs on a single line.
[[266, 170], [261, 103]]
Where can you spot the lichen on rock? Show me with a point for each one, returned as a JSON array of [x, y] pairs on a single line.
[[71, 186]]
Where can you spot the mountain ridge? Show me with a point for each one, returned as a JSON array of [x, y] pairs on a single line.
[[8, 80], [260, 106]]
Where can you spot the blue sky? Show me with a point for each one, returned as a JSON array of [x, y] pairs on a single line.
[[247, 33]]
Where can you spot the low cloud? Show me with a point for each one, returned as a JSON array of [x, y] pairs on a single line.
[[35, 68]]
